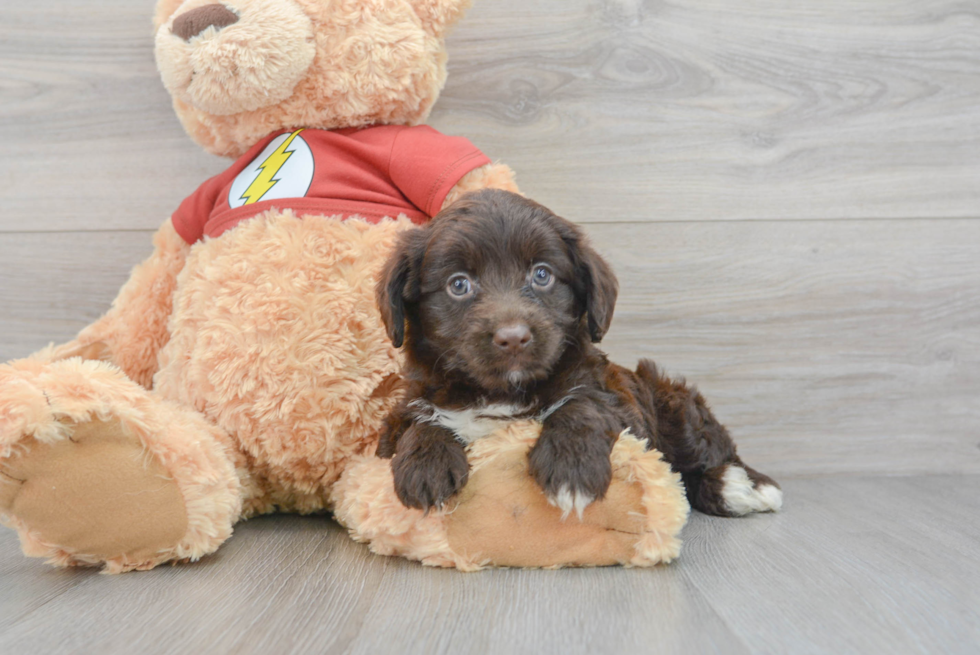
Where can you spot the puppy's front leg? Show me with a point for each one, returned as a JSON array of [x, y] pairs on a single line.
[[570, 461], [429, 466]]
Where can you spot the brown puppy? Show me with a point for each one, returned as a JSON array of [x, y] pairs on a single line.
[[498, 302]]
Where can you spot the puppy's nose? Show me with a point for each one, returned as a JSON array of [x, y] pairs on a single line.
[[512, 338], [195, 21]]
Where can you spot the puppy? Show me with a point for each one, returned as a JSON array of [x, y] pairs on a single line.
[[498, 303]]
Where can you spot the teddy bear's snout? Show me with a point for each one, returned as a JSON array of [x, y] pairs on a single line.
[[229, 57], [192, 23]]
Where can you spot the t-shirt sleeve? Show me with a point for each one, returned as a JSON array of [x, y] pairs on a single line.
[[193, 213], [425, 165]]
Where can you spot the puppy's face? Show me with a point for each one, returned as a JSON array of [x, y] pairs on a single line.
[[495, 287]]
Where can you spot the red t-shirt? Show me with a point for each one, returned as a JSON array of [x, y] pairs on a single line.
[[372, 172]]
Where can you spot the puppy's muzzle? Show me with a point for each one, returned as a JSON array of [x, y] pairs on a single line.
[[513, 338]]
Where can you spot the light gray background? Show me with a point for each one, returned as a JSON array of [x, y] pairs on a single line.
[[790, 194]]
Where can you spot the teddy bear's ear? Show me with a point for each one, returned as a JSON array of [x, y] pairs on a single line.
[[439, 15]]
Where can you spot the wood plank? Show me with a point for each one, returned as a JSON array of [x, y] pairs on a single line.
[[709, 110], [289, 584], [839, 570], [826, 347], [837, 579], [623, 109], [54, 284], [612, 610], [27, 584], [89, 136]]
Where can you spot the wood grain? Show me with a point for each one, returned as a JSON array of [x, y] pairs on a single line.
[[827, 347], [90, 140], [628, 110], [868, 565], [853, 576], [709, 110], [54, 284], [789, 193]]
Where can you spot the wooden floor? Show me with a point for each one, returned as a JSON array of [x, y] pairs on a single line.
[[853, 565], [790, 194]]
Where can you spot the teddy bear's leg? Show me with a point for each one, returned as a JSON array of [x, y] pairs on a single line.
[[132, 332], [502, 518], [95, 470]]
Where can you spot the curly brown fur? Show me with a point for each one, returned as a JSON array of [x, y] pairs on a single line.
[[498, 303]]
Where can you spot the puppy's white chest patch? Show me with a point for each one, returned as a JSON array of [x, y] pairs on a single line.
[[471, 423], [474, 423]]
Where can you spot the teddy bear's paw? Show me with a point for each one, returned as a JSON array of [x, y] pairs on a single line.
[[91, 495], [95, 470]]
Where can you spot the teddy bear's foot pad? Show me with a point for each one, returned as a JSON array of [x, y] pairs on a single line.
[[520, 528], [95, 495]]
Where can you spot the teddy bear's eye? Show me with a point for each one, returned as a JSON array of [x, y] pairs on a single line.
[[460, 286]]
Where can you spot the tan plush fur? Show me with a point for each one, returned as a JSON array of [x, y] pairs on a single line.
[[40, 401], [302, 380], [664, 501], [370, 509], [608, 533], [250, 373], [376, 61], [491, 176], [253, 63]]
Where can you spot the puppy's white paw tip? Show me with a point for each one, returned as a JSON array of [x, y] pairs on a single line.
[[773, 496], [743, 497], [567, 500]]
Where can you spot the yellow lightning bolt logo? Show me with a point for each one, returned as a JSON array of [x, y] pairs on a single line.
[[268, 169]]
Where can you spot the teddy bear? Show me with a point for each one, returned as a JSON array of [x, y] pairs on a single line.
[[243, 368]]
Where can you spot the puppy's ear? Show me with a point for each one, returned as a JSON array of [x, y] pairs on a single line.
[[596, 283], [601, 292], [398, 286]]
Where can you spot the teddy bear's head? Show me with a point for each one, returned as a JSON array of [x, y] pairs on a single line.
[[239, 70]]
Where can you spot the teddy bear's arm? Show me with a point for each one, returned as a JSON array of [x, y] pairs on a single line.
[[438, 15], [135, 328], [489, 176]]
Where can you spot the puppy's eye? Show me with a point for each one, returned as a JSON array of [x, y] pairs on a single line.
[[542, 276], [459, 286]]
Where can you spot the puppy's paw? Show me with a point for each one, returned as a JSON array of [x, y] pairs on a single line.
[[571, 479], [567, 500], [428, 477], [745, 491]]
